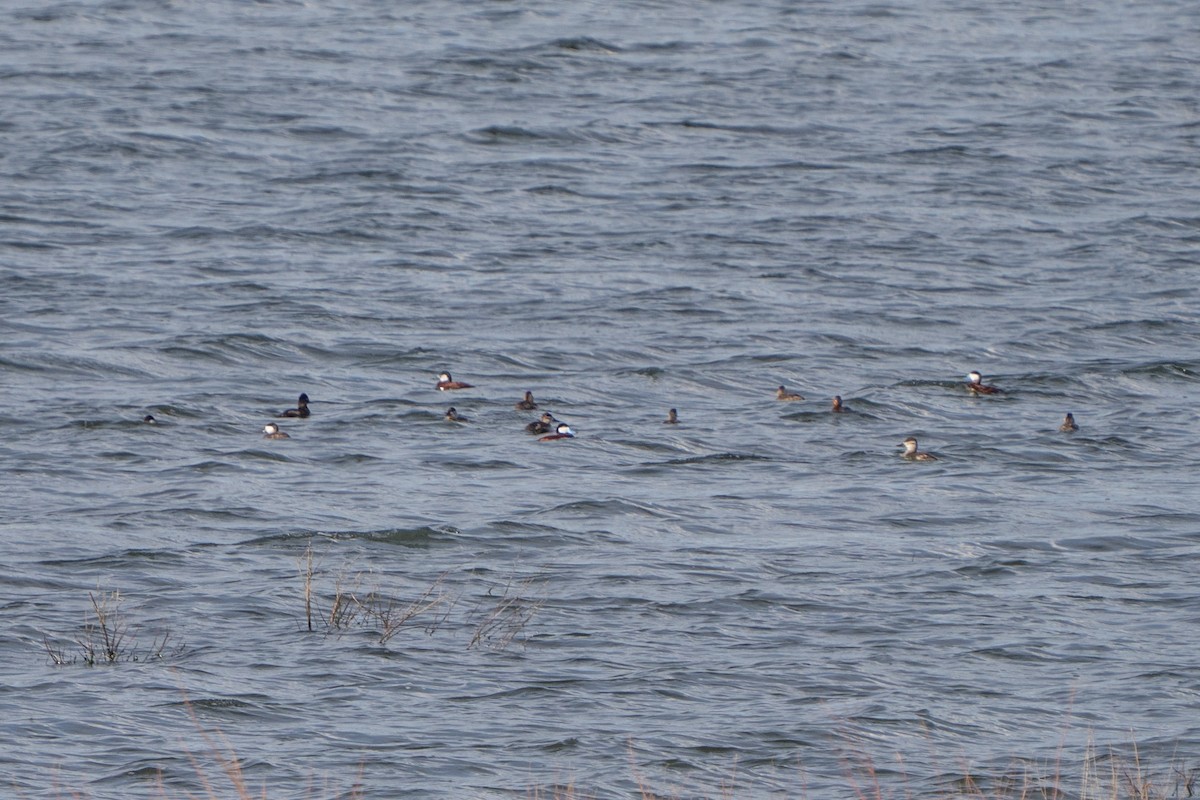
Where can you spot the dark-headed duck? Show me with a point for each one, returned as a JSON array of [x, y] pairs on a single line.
[[452, 415], [1068, 424], [837, 407], [301, 409], [672, 418]]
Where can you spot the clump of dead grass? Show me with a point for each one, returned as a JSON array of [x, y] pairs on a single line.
[[361, 600], [107, 637], [500, 619], [1112, 774]]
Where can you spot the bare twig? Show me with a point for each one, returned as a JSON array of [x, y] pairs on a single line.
[[507, 618]]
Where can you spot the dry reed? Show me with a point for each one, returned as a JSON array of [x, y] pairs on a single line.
[[106, 637], [359, 600]]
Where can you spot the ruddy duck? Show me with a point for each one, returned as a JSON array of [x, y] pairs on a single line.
[[452, 415], [301, 409], [977, 386], [543, 425], [1068, 424], [910, 451], [446, 383], [838, 408], [672, 418], [783, 394], [149, 419], [527, 404], [271, 431], [563, 431]]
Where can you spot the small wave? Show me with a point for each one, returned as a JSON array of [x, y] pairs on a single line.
[[323, 132], [230, 349], [515, 134], [351, 458], [715, 458], [605, 508], [490, 464], [122, 559], [19, 245], [584, 44], [1164, 369], [1015, 653], [500, 134], [403, 537]]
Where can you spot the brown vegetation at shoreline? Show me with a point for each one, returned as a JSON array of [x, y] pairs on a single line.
[[1101, 776], [499, 616], [1107, 776]]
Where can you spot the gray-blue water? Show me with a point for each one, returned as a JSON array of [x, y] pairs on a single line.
[[208, 208]]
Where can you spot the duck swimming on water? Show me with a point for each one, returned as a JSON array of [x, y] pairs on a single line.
[[976, 385], [563, 431], [271, 431], [543, 425], [301, 409], [446, 383], [912, 454]]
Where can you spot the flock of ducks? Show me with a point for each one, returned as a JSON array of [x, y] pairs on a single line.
[[550, 429], [561, 430], [975, 386]]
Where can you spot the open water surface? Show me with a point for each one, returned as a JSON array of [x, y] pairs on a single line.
[[207, 208]]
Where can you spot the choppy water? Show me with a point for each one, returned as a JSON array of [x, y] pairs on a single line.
[[206, 209]]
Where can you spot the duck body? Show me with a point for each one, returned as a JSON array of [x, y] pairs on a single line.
[[837, 407], [527, 404], [786, 396], [1068, 424], [271, 431], [976, 385], [563, 431], [446, 383], [672, 418], [912, 454], [543, 425], [301, 409], [452, 415]]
